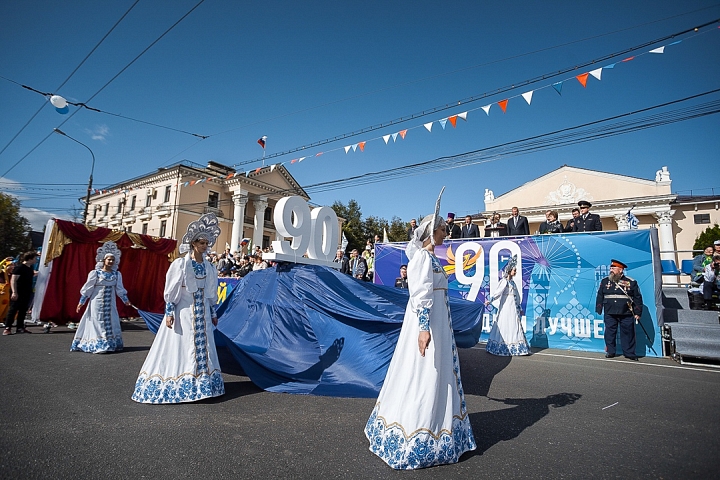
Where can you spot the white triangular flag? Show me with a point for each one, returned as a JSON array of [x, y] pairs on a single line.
[[463, 115], [272, 167], [354, 147], [347, 149], [394, 135], [443, 122], [301, 159], [385, 237], [428, 126], [487, 108], [386, 138], [658, 50], [597, 73], [528, 96]]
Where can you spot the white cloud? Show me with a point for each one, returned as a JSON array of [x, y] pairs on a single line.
[[37, 218], [100, 132]]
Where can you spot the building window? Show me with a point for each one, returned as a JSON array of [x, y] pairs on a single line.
[[94, 211], [106, 209], [213, 199], [148, 200], [167, 195], [163, 226], [265, 242], [702, 218], [268, 214], [120, 204], [129, 229], [132, 202], [144, 228]]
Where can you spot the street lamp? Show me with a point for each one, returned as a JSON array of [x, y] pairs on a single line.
[[87, 198]]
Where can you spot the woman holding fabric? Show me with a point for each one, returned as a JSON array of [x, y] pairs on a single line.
[[420, 418], [99, 329], [507, 337], [182, 365]]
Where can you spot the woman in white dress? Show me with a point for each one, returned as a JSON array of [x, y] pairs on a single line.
[[420, 418], [99, 328], [182, 365], [507, 337]]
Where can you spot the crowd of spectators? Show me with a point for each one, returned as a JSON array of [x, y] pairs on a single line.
[[237, 264]]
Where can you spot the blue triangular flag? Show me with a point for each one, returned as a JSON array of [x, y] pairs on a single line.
[[612, 65], [443, 122], [558, 87], [675, 43]]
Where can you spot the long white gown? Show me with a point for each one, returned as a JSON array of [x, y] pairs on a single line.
[[420, 418], [182, 365], [99, 328], [507, 337]]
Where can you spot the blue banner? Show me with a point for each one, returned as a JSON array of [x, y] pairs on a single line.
[[561, 274]]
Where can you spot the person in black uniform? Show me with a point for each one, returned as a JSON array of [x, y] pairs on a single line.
[[586, 222], [452, 230], [620, 297], [402, 281]]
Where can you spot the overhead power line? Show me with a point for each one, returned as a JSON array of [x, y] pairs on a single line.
[[106, 85], [478, 97], [572, 135]]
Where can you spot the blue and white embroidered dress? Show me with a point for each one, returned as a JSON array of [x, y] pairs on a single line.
[[182, 365], [99, 328], [420, 418], [507, 337]]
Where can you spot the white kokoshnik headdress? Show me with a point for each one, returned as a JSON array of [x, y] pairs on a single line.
[[512, 263], [425, 229], [205, 227], [108, 249]]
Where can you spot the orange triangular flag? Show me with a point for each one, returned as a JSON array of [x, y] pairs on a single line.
[[403, 133], [362, 146], [257, 169], [503, 104], [582, 79], [629, 58], [193, 183], [453, 120]]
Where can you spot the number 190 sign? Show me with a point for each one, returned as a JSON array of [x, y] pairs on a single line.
[[314, 233]]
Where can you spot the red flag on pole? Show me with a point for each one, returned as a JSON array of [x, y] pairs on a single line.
[[262, 140]]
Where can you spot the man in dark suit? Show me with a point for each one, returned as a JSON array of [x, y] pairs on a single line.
[[343, 261], [469, 229], [452, 230], [571, 222], [358, 266], [495, 228], [587, 222], [619, 296], [517, 224], [411, 230]]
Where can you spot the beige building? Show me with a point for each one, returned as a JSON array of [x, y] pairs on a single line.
[[679, 219], [163, 203]]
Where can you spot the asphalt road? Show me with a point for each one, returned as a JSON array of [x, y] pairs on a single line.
[[555, 414]]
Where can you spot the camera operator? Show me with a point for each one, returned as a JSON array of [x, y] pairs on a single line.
[[710, 285]]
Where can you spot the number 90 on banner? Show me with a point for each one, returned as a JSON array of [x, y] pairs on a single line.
[[314, 233]]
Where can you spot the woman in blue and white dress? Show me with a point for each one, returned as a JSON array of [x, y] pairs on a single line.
[[507, 337], [420, 418], [182, 365], [99, 329]]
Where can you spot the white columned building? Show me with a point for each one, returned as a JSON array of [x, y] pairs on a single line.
[[665, 233], [260, 205], [239, 199]]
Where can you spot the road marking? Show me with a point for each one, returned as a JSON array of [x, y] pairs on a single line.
[[610, 405], [628, 363]]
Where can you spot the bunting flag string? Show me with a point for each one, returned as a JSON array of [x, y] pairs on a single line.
[[503, 104]]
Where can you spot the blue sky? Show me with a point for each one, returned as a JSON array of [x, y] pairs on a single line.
[[300, 72]]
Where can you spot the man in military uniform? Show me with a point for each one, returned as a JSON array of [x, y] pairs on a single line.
[[586, 222], [620, 297]]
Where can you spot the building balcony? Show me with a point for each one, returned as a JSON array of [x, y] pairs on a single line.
[[218, 212], [163, 211], [128, 220], [145, 215], [113, 223]]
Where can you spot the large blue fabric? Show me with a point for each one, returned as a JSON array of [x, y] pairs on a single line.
[[311, 330]]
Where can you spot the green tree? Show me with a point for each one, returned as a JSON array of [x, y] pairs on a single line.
[[374, 226], [14, 228], [706, 238], [352, 228], [398, 230]]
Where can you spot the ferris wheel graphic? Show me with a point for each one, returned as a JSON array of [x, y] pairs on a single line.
[[556, 262]]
